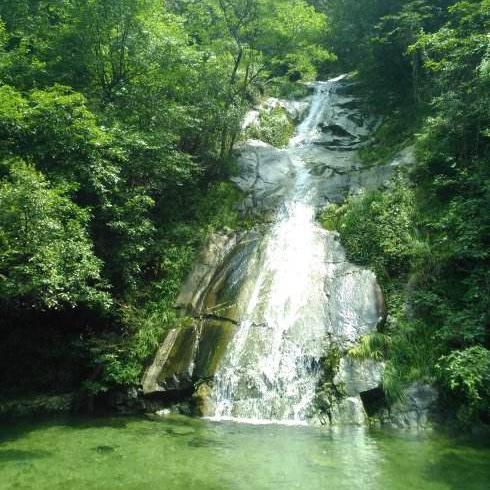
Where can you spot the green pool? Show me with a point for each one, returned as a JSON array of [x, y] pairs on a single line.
[[182, 453]]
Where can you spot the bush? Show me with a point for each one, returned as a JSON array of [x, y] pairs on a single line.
[[275, 128], [377, 228], [466, 373]]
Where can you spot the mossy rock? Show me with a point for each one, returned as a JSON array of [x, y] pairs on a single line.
[[37, 405], [215, 338], [202, 401], [194, 355], [178, 367]]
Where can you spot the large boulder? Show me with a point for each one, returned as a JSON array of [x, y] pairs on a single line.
[[415, 411], [358, 376]]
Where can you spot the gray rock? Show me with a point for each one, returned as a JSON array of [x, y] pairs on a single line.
[[150, 378], [355, 302], [355, 376], [251, 119], [265, 173], [415, 411], [349, 411]]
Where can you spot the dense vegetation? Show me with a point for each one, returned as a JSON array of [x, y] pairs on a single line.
[[117, 123], [427, 67]]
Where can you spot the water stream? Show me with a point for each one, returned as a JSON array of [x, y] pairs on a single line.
[[272, 368]]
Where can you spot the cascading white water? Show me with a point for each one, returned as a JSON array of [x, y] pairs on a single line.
[[272, 368], [309, 127]]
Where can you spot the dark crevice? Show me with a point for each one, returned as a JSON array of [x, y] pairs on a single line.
[[373, 401]]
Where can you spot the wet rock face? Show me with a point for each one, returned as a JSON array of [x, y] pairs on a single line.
[[194, 290], [187, 355], [266, 175], [192, 354], [415, 411]]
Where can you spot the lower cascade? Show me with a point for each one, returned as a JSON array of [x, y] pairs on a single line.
[[278, 308], [272, 367]]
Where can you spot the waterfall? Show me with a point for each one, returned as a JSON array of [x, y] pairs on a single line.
[[279, 307], [272, 367]]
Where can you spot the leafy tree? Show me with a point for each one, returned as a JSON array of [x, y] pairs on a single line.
[[46, 257]]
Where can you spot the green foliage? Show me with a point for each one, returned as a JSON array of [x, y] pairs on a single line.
[[290, 34], [218, 209], [283, 88], [373, 38], [467, 374], [377, 228], [274, 127], [374, 346], [46, 257]]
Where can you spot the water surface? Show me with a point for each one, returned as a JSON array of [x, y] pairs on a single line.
[[181, 453]]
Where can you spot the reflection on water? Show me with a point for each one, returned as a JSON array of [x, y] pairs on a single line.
[[181, 453]]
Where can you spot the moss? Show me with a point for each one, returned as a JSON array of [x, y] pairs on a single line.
[[215, 338], [275, 128], [331, 216], [328, 393]]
